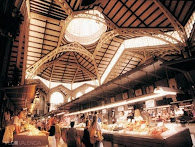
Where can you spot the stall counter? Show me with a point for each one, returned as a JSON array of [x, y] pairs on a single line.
[[179, 137]]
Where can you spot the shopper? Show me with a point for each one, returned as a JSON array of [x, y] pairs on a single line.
[[86, 136], [17, 121], [57, 132], [95, 133], [8, 135], [51, 137], [39, 125], [72, 136]]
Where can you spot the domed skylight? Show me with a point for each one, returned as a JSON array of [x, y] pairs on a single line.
[[85, 30]]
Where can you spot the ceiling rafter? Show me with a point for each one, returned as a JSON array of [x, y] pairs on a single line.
[[134, 54], [28, 8], [91, 76], [83, 59], [154, 50], [138, 15], [139, 81], [104, 53], [25, 8], [133, 13], [42, 17], [74, 47], [50, 78], [59, 42], [155, 33], [125, 14], [120, 85], [185, 2], [115, 3], [126, 64], [145, 11], [152, 74], [176, 24], [119, 9], [115, 13], [65, 6], [74, 76], [176, 6], [104, 37], [65, 67]]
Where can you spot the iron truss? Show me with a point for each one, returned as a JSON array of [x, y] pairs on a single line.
[[72, 47], [176, 44]]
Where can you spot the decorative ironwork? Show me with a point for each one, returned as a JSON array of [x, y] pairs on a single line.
[[176, 24], [73, 47], [105, 37], [155, 33], [65, 6]]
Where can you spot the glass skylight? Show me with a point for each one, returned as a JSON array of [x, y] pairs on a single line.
[[85, 30]]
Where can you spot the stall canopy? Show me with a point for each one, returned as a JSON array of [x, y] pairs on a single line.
[[20, 96]]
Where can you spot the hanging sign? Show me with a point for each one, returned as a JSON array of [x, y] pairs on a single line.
[[150, 103]]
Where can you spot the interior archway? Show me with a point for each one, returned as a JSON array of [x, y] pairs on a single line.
[[55, 100]]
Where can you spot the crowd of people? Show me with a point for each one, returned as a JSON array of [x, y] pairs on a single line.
[[92, 135]]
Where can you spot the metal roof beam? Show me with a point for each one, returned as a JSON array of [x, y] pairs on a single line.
[[38, 16], [176, 24], [120, 85], [65, 6], [154, 75], [139, 81]]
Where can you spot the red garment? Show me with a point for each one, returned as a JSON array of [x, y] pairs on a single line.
[[51, 121]]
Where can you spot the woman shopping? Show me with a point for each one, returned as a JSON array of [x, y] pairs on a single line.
[[96, 137]]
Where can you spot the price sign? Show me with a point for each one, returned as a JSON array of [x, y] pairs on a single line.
[[150, 103]]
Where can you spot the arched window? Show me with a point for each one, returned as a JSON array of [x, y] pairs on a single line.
[[55, 100]]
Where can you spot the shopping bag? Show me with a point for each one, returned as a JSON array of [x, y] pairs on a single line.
[[99, 136]]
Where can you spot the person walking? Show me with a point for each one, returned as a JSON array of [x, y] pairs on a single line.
[[72, 136], [86, 136]]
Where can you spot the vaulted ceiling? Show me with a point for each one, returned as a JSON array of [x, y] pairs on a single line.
[[50, 56]]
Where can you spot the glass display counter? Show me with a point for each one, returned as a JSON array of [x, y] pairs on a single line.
[[175, 136]]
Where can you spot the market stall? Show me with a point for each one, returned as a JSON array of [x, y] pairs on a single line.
[[30, 137], [180, 138], [168, 135]]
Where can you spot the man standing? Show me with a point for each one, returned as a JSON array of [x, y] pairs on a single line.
[[17, 121]]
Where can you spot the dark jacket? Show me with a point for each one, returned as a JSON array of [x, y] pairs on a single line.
[[86, 138]]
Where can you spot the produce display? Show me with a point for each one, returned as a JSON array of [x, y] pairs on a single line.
[[32, 130], [139, 127]]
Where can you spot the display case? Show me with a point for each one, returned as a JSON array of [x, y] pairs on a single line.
[[176, 137], [30, 137]]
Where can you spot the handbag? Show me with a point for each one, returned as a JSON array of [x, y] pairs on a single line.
[[99, 136]]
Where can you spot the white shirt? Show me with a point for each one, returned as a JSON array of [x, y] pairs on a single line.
[[17, 121], [138, 118]]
